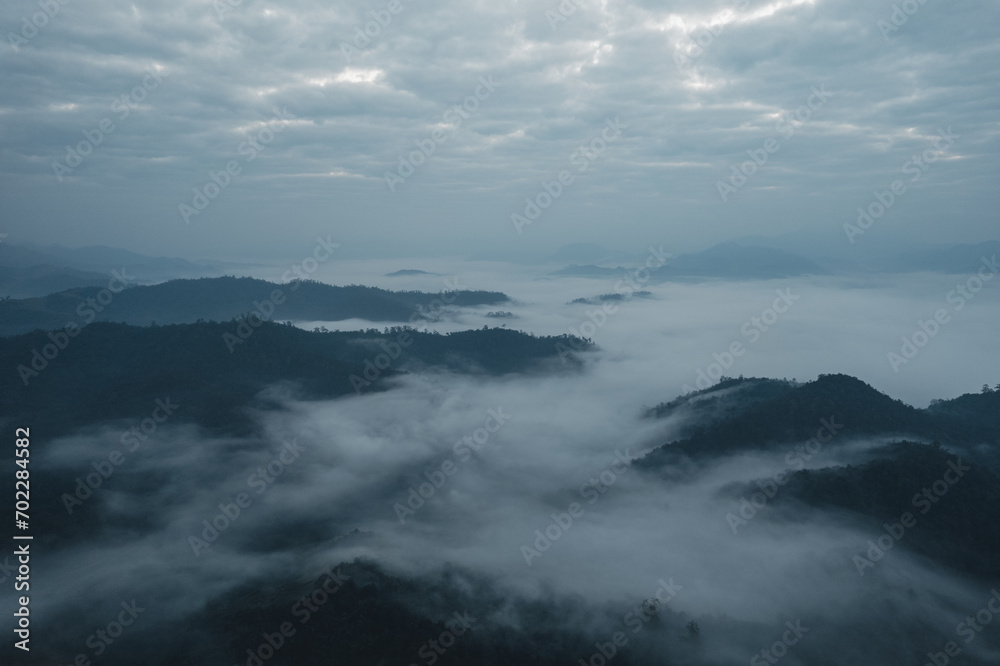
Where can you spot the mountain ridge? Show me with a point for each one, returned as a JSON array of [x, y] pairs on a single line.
[[186, 301]]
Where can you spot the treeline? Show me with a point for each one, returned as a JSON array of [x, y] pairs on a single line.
[[221, 299], [111, 371], [950, 498], [740, 414]]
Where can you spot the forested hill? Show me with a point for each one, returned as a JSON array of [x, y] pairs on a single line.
[[739, 414], [111, 371], [958, 528], [805, 428], [221, 299]]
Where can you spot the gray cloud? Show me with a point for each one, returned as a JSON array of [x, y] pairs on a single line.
[[353, 120]]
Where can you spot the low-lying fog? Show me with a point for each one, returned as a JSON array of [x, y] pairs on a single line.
[[834, 324], [361, 455]]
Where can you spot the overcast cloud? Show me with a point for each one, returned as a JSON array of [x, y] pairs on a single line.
[[223, 71]]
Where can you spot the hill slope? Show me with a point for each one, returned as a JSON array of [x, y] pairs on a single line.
[[114, 371], [221, 299]]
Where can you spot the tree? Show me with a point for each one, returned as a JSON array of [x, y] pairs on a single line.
[[986, 388], [694, 631]]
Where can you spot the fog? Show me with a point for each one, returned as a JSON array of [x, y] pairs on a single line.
[[845, 324], [350, 464], [515, 147]]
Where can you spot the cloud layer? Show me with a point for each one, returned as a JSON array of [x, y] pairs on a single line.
[[696, 85]]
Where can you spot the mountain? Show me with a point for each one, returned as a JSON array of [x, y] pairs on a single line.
[[955, 259], [735, 261], [726, 399], [38, 280], [877, 253], [216, 370], [187, 301], [829, 247], [360, 611], [363, 611], [745, 414], [589, 270], [22, 256], [609, 298], [730, 261], [34, 271], [367, 615], [103, 259], [883, 489], [970, 417], [409, 272]]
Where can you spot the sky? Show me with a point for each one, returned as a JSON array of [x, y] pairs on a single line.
[[245, 128]]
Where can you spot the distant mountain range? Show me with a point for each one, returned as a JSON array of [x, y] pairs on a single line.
[[32, 271], [955, 259], [221, 299], [609, 298], [757, 257], [38, 280], [409, 272], [101, 259], [28, 271], [726, 261], [872, 253]]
